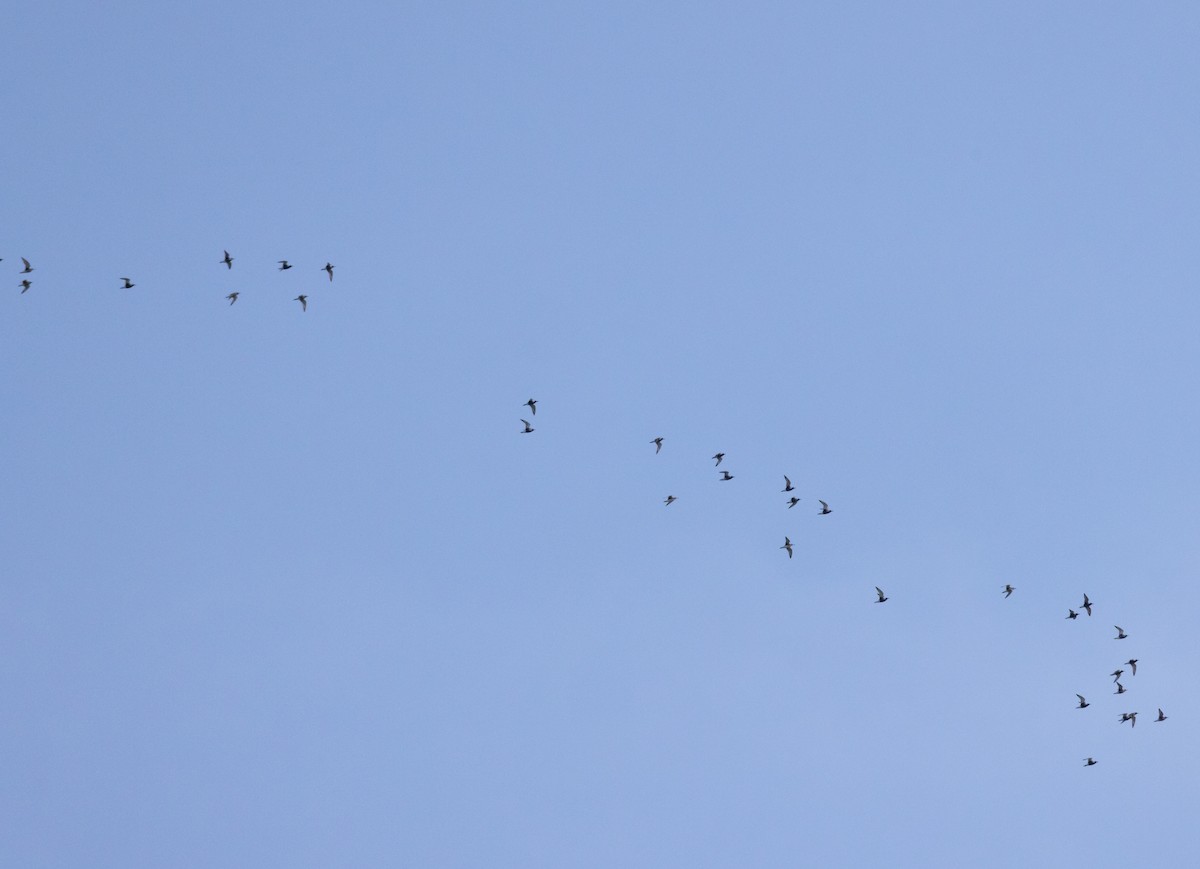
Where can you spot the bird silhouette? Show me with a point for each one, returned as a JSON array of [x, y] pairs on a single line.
[[228, 260], [28, 268], [1008, 590], [787, 484], [1091, 761], [532, 405], [1120, 689], [657, 445], [329, 268], [1120, 633], [129, 285], [670, 499], [882, 596], [25, 285], [1086, 605], [793, 501], [825, 511], [1116, 674], [284, 265], [1083, 704], [232, 297], [528, 427], [303, 300], [1132, 662], [1160, 717], [1071, 614], [718, 457], [787, 544], [1131, 717], [725, 475]]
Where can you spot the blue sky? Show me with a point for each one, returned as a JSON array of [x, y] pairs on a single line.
[[289, 588]]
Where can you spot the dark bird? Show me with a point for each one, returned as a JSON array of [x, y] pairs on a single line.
[[670, 499], [1132, 662], [1008, 590], [532, 405], [28, 268], [1160, 717], [303, 300], [1131, 717], [793, 501], [718, 457], [725, 475], [228, 260], [129, 285], [528, 427], [787, 544], [284, 265], [1091, 761], [1086, 605], [329, 269], [1120, 689], [1071, 614], [1116, 674], [232, 297], [882, 597], [825, 511], [657, 445], [1120, 633], [25, 285], [1083, 704], [787, 484]]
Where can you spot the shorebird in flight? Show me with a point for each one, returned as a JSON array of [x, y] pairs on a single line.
[[532, 405], [28, 268], [1086, 605], [25, 285], [303, 300], [528, 427], [228, 260], [1120, 689], [1071, 614], [882, 596], [129, 285], [825, 511], [1091, 761], [1120, 633], [1083, 704], [793, 501], [232, 298], [1132, 662], [329, 269], [284, 265], [670, 499], [657, 445], [1116, 674], [787, 484], [787, 544], [1008, 590], [725, 475], [1131, 717], [1160, 717], [718, 457]]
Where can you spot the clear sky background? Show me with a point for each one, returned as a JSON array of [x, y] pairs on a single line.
[[291, 589]]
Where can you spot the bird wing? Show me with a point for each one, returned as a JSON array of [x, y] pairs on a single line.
[[1080, 696], [25, 261]]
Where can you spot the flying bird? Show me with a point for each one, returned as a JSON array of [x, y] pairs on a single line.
[[1132, 662], [232, 297], [303, 300], [725, 475], [1120, 633], [328, 268], [824, 508], [787, 484], [1008, 590], [1120, 689], [1160, 717], [284, 265], [228, 260], [1083, 704], [25, 285], [129, 285], [882, 596], [670, 499], [1091, 761], [657, 445], [528, 427], [1116, 674], [532, 405], [1131, 717], [1071, 614], [787, 544], [1086, 605], [718, 457], [28, 268], [793, 501]]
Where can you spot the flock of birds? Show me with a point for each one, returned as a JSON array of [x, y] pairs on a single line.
[[1007, 591], [227, 261]]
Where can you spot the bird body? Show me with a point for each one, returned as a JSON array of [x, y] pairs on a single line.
[[670, 500], [1120, 689], [1160, 717], [718, 457], [28, 268], [303, 300], [1131, 717], [1132, 662], [1091, 761], [1071, 614], [787, 484], [1086, 605], [329, 269], [232, 297], [825, 511], [129, 285], [793, 501], [882, 596], [1120, 633], [532, 405], [528, 427], [787, 544], [657, 445], [1008, 590], [1116, 674], [1083, 704], [25, 285], [725, 475], [284, 265], [228, 260]]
